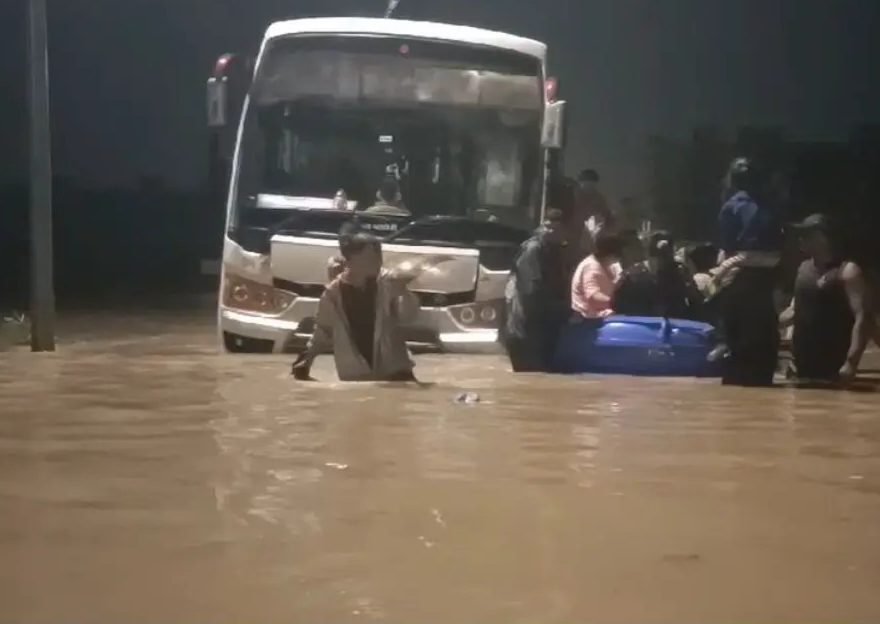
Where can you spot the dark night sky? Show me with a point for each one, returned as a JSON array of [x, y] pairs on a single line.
[[128, 75]]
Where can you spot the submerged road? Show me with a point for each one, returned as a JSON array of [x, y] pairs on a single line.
[[147, 478]]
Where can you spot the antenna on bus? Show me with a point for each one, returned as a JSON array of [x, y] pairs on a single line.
[[392, 5]]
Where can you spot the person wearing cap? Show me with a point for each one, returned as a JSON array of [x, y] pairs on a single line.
[[389, 200], [537, 292], [750, 239], [830, 310]]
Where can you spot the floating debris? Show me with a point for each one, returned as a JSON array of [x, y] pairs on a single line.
[[438, 517], [467, 398]]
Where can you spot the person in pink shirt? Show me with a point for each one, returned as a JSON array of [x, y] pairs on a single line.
[[592, 287]]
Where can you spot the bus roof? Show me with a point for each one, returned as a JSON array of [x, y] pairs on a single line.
[[407, 28]]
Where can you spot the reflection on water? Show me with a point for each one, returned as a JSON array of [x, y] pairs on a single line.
[[146, 478]]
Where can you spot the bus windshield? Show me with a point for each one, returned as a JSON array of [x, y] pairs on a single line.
[[460, 130]]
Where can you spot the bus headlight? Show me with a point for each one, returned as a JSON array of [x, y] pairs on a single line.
[[488, 314], [249, 296], [483, 315]]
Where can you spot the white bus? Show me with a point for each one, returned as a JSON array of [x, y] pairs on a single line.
[[465, 120]]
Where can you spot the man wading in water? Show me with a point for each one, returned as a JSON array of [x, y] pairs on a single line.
[[537, 292], [360, 316], [830, 310]]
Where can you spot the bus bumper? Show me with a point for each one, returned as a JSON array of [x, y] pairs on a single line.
[[435, 328]]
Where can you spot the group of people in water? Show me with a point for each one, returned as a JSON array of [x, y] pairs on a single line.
[[580, 267]]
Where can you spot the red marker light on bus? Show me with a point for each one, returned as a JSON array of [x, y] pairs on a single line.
[[221, 67], [551, 89], [404, 49]]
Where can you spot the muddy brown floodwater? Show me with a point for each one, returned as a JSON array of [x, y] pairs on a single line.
[[146, 478]]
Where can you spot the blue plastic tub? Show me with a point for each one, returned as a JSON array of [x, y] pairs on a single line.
[[633, 345]]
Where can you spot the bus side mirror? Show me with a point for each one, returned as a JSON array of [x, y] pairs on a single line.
[[553, 136], [226, 89], [218, 102]]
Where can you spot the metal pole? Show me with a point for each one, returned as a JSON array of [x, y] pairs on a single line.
[[42, 287]]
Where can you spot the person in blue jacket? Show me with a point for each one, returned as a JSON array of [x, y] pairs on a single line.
[[750, 231]]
